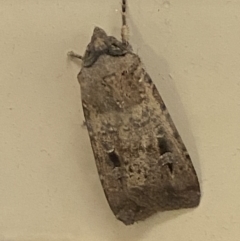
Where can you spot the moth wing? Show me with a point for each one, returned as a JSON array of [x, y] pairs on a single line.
[[142, 162]]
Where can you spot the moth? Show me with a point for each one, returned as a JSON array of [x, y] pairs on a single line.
[[143, 164]]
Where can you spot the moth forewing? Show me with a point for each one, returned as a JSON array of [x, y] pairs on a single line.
[[143, 164]]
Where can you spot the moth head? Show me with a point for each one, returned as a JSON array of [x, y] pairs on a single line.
[[101, 44], [99, 40], [99, 33]]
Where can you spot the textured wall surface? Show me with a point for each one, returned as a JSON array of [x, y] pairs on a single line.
[[49, 188]]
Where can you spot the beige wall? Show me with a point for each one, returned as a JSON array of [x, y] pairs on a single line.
[[49, 188]]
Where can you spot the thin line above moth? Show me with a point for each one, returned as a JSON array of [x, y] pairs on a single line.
[[143, 164]]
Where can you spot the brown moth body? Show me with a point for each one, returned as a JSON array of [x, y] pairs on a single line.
[[143, 165]]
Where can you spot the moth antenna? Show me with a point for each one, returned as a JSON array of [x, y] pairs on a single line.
[[124, 30]]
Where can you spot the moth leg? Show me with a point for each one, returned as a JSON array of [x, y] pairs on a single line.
[[74, 55], [124, 30]]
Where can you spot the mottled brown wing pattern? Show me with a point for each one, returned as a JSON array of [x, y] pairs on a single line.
[[142, 162]]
